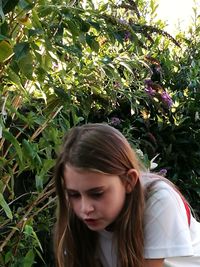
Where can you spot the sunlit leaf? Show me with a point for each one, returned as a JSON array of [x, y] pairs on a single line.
[[127, 66], [5, 50], [35, 20]]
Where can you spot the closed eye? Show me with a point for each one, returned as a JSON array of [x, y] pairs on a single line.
[[97, 194], [73, 194]]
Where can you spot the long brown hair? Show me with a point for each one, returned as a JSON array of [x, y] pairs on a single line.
[[102, 148]]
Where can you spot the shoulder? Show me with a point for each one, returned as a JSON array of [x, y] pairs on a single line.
[[163, 201], [159, 189], [166, 228]]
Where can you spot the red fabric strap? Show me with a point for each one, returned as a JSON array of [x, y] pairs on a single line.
[[187, 208]]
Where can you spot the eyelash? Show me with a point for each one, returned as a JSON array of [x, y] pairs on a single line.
[[73, 195], [97, 194], [92, 195]]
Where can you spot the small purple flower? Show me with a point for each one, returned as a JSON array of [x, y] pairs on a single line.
[[122, 21], [148, 82], [149, 90], [115, 121], [127, 36], [162, 172], [116, 84], [166, 99], [148, 87]]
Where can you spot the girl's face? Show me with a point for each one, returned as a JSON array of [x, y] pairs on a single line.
[[96, 198]]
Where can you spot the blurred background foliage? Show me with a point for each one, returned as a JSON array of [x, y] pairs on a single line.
[[68, 62]]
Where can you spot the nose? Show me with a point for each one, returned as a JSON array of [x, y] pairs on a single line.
[[86, 206]]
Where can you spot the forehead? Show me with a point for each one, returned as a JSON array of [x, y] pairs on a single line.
[[83, 180]]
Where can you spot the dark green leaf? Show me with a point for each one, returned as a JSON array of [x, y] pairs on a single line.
[[93, 44], [9, 137], [28, 151], [21, 50], [29, 259], [26, 65], [73, 28], [2, 37], [9, 5]]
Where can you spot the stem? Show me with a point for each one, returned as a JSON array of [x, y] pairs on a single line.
[[41, 197]]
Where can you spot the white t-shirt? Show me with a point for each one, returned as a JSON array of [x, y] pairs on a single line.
[[166, 231]]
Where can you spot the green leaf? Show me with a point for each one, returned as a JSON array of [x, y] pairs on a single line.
[[1, 11], [109, 71], [3, 37], [39, 182], [9, 5], [26, 66], [21, 50], [28, 151], [24, 59], [26, 4], [1, 185], [5, 29], [45, 11], [5, 207], [60, 92], [73, 28], [127, 66], [37, 160], [46, 62], [9, 137], [8, 257], [5, 50], [35, 20], [43, 174], [29, 259], [14, 78], [93, 44], [28, 230]]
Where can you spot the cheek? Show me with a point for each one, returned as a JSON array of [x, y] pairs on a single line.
[[75, 205], [114, 204], [119, 203]]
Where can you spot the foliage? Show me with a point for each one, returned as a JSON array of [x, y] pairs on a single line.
[[65, 62]]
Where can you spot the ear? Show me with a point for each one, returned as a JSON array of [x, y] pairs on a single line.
[[132, 180]]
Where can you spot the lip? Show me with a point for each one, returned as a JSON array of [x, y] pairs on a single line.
[[91, 222]]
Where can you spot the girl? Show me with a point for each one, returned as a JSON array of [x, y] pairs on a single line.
[[113, 213]]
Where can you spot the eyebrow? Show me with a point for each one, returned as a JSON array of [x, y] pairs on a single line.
[[91, 190]]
